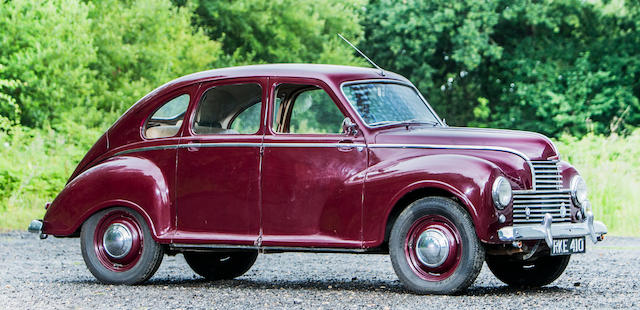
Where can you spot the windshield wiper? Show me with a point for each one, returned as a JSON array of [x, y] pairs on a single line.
[[409, 121]]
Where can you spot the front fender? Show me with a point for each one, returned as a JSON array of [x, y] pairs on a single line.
[[465, 177], [121, 181]]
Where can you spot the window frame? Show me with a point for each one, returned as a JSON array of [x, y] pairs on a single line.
[[311, 84], [386, 81], [182, 92], [208, 85]]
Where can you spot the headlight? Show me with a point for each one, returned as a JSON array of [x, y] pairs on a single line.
[[501, 192], [578, 190]]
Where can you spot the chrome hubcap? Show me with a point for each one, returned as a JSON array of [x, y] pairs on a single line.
[[432, 248], [117, 240]]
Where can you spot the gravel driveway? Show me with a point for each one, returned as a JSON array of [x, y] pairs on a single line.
[[39, 274]]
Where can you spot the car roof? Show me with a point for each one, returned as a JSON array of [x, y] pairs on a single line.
[[333, 73], [315, 71]]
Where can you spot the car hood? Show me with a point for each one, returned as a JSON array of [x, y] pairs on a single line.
[[533, 145]]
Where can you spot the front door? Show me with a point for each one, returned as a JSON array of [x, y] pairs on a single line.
[[218, 164], [312, 174]]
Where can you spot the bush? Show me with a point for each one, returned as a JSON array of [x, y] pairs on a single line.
[[611, 168]]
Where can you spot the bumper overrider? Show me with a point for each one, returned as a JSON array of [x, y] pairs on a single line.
[[36, 227], [549, 231]]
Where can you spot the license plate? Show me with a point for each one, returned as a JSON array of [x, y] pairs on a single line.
[[568, 246]]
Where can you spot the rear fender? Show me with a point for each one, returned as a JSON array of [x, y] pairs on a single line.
[[126, 181]]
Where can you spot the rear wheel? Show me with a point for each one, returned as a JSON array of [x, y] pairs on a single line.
[[434, 248], [118, 248], [534, 272], [221, 265]]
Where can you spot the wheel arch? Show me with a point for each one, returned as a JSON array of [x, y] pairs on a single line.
[[117, 203], [129, 182], [422, 190]]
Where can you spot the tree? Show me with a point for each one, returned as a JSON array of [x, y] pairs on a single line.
[[48, 46], [256, 31], [548, 66]]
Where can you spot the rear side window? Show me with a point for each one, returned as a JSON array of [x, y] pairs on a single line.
[[229, 109], [166, 121]]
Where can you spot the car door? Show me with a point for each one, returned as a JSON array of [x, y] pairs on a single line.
[[218, 165], [312, 173]]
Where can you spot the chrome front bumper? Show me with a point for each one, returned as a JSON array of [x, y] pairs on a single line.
[[548, 231], [36, 227]]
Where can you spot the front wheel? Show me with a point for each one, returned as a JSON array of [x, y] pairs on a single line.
[[535, 272], [434, 248], [221, 265], [118, 248]]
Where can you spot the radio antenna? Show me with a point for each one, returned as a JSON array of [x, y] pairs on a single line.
[[362, 54]]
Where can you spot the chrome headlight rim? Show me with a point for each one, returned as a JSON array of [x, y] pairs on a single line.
[[578, 183], [501, 192]]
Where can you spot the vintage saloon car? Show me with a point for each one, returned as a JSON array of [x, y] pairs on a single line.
[[224, 164]]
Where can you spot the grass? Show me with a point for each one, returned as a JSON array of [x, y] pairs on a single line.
[[611, 168], [36, 164], [34, 167]]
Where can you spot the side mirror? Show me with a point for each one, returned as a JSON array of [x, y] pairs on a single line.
[[349, 128]]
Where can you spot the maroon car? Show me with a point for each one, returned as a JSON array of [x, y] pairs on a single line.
[[224, 164]]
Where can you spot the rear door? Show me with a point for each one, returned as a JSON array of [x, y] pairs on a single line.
[[218, 167]]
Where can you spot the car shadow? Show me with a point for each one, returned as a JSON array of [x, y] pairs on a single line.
[[354, 285]]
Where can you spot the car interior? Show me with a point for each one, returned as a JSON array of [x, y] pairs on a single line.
[[221, 105], [166, 121], [305, 109]]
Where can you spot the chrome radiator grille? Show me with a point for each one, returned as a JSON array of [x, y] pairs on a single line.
[[547, 174], [529, 207]]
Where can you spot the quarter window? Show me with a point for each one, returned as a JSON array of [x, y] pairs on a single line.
[[166, 121]]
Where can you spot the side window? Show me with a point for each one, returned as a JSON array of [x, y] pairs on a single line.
[[248, 121], [229, 109], [166, 121], [306, 110]]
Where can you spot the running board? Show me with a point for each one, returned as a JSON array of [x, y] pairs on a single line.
[[184, 247]]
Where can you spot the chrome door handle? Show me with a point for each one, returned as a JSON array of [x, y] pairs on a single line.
[[195, 146], [345, 145]]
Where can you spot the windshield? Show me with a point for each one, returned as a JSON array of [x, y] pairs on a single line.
[[388, 103]]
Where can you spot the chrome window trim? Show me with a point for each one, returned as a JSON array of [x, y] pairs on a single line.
[[387, 81]]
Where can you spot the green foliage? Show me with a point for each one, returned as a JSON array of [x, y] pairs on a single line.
[[68, 68], [34, 168], [75, 58], [611, 168], [550, 66], [257, 31], [141, 45], [48, 46]]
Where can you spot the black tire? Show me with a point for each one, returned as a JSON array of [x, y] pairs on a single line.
[[221, 265], [450, 277], [535, 272], [141, 262]]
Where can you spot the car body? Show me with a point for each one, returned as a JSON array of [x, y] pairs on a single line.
[[299, 157]]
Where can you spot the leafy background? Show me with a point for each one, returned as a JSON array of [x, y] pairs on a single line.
[[569, 69]]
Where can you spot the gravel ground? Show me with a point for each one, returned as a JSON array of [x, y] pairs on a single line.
[[38, 274]]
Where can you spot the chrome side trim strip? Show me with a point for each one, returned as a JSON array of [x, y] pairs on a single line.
[[464, 147], [313, 145], [350, 145], [178, 146], [253, 144]]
